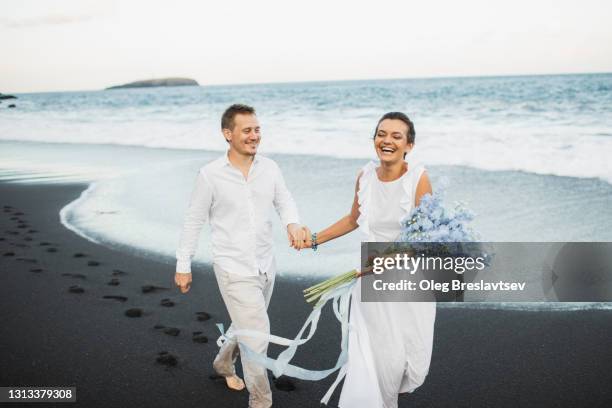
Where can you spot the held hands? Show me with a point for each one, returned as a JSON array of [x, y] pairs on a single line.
[[299, 236], [183, 281]]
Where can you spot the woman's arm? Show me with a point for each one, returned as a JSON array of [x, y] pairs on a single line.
[[345, 224], [423, 187]]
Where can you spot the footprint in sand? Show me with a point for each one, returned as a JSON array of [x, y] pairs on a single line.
[[203, 316], [134, 312], [27, 238], [171, 331], [75, 275], [9, 254], [199, 338], [51, 249], [79, 255], [114, 282], [76, 289], [283, 383], [152, 288], [36, 270], [93, 263], [166, 303], [32, 231], [115, 297], [167, 359], [118, 272], [44, 244]]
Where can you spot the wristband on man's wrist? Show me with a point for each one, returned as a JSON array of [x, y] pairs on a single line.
[[315, 244]]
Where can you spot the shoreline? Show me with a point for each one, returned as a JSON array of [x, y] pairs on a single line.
[[51, 336], [534, 306]]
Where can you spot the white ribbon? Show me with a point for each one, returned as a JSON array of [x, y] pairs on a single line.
[[340, 298]]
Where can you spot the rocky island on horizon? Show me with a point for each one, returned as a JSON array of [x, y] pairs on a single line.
[[148, 83]]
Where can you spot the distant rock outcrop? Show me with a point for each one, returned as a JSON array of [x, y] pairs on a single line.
[[148, 83], [4, 97]]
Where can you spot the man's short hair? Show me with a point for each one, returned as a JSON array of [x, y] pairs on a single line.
[[227, 120]]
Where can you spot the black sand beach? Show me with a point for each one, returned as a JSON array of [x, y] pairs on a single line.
[[52, 336]]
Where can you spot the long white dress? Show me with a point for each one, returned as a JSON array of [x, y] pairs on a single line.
[[390, 343]]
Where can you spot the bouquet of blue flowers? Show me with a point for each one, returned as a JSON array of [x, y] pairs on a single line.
[[431, 222], [427, 223]]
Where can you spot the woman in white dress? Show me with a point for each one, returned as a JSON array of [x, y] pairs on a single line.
[[390, 343]]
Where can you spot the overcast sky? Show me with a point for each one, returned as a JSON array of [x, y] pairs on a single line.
[[52, 45]]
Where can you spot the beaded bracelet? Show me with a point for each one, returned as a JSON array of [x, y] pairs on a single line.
[[315, 245]]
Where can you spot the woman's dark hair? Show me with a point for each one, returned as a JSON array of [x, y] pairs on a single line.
[[399, 116]]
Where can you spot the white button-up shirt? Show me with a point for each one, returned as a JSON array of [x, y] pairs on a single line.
[[239, 211]]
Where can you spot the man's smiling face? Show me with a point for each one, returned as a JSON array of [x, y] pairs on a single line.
[[245, 136]]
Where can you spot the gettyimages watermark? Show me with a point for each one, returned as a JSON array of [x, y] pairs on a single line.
[[487, 272]]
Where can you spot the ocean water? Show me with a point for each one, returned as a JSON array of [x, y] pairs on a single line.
[[559, 125], [529, 155]]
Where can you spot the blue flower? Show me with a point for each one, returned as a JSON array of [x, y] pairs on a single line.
[[431, 222]]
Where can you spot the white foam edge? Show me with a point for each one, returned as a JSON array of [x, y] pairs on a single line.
[[67, 209]]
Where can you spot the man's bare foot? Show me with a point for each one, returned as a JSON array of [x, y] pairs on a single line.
[[234, 383]]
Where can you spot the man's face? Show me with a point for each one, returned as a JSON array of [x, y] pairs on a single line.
[[245, 136]]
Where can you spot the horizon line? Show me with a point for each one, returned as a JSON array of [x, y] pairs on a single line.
[[467, 76]]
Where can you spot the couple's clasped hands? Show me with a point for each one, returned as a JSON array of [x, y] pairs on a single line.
[[299, 236]]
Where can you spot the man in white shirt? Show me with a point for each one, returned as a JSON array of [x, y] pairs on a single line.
[[236, 194]]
